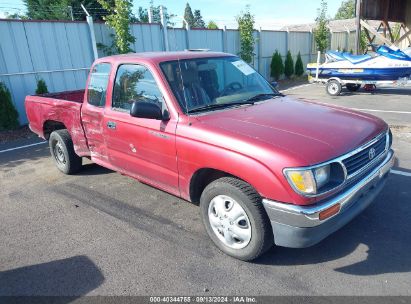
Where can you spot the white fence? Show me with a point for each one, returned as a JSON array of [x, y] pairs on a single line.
[[61, 52]]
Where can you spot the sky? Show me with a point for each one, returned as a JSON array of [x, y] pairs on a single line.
[[269, 14]]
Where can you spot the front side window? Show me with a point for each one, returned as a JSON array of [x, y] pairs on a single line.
[[212, 83], [135, 83], [97, 88]]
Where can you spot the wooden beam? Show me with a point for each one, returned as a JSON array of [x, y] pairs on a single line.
[[403, 37], [367, 33], [374, 32]]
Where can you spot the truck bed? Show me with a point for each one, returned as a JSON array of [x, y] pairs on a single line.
[[75, 96], [63, 109]]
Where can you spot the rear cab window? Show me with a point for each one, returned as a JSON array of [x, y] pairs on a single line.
[[97, 87]]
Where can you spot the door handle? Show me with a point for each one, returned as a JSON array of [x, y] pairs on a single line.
[[111, 125]]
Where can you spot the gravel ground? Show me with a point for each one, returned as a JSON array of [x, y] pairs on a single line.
[[21, 133]]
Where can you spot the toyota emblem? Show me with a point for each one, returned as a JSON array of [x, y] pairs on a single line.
[[371, 154]]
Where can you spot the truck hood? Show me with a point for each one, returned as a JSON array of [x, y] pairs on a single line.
[[311, 132]]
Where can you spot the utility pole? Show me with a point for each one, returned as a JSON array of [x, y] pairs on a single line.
[[150, 15], [358, 26], [71, 12], [163, 16], [92, 35]]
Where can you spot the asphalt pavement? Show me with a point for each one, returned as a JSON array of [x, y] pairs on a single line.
[[391, 104], [101, 233]]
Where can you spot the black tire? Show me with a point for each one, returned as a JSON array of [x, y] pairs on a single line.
[[262, 237], [62, 151], [333, 88], [353, 87]]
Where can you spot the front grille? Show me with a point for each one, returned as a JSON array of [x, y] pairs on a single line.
[[356, 162]]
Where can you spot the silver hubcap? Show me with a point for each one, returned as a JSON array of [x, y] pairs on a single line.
[[229, 222], [59, 154], [333, 88]]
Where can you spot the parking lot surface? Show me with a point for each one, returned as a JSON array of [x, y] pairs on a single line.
[[101, 233], [391, 104]]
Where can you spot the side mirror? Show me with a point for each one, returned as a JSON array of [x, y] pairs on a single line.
[[144, 109]]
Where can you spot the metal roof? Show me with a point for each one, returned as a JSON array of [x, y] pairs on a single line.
[[387, 10], [335, 26]]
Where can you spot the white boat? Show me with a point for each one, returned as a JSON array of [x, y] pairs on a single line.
[[387, 64]]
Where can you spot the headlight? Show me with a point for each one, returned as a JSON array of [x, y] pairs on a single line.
[[322, 175], [315, 180]]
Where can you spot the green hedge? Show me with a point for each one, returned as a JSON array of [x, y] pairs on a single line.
[[299, 67], [41, 87], [8, 113], [289, 65], [277, 66]]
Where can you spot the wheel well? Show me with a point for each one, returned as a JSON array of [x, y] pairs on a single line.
[[50, 126], [334, 78], [201, 179]]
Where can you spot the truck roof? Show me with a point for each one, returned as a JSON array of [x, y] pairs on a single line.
[[157, 57]]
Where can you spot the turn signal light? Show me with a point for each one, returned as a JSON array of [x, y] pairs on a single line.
[[329, 212]]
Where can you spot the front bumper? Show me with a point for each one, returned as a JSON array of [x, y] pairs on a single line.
[[300, 226]]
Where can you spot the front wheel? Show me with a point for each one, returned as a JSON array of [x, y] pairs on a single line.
[[235, 219], [62, 151], [333, 88]]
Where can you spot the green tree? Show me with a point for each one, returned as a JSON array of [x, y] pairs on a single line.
[[212, 25], [321, 33], [246, 27], [94, 8], [277, 66], [8, 15], [396, 31], [299, 67], [59, 9], [198, 19], [41, 87], [363, 41], [119, 20], [346, 10], [289, 65], [47, 9], [188, 15], [8, 113], [142, 14]]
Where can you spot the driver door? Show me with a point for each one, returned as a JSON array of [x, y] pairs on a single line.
[[92, 112], [140, 147]]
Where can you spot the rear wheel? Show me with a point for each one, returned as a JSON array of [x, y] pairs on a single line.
[[235, 218], [353, 87], [333, 88], [62, 151]]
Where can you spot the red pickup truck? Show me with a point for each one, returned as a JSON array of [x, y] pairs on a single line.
[[265, 169]]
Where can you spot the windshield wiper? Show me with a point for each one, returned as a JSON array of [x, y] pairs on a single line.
[[215, 106], [262, 96]]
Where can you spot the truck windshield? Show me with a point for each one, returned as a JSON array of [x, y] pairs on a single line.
[[206, 84]]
